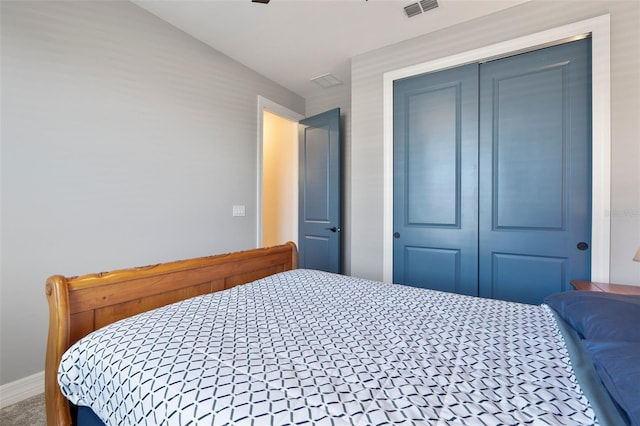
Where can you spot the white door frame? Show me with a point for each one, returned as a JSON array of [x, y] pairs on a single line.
[[265, 104], [600, 30]]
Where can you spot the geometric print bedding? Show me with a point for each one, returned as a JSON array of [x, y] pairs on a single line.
[[310, 347]]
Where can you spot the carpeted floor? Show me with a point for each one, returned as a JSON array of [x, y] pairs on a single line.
[[29, 412]]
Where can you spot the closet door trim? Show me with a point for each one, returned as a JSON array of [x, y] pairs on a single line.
[[599, 29]]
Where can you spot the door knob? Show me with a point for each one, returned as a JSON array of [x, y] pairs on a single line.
[[582, 246], [333, 229]]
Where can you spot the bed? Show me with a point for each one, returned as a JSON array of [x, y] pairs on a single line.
[[184, 343]]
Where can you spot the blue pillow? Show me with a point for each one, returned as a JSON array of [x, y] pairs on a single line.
[[618, 365], [598, 315]]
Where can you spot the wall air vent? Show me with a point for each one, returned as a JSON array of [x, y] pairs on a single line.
[[417, 8]]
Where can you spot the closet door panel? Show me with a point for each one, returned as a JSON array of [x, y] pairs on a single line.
[[436, 267], [534, 172], [435, 180], [432, 150], [526, 279], [528, 152]]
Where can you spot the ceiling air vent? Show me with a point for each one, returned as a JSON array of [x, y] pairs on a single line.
[[412, 10], [417, 8], [327, 80], [428, 4]]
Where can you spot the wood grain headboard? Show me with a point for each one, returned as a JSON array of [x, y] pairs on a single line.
[[80, 305]]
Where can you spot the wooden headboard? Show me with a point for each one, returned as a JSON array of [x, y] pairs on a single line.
[[80, 305]]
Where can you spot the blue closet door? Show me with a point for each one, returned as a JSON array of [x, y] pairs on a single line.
[[492, 181], [535, 180], [435, 180]]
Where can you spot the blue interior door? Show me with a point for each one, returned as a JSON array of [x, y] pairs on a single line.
[[435, 180], [320, 192], [535, 180]]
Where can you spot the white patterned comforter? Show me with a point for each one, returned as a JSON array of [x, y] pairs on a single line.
[[308, 347]]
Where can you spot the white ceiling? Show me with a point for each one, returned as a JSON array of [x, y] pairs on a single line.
[[293, 41]]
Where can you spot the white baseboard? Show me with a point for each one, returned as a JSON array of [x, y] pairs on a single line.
[[21, 389]]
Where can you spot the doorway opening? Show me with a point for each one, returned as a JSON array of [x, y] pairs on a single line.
[[277, 186]]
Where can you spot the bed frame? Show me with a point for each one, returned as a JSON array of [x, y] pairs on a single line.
[[80, 305]]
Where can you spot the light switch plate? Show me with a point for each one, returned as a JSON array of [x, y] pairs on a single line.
[[238, 210]]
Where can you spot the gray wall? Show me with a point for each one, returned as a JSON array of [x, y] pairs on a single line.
[[125, 142], [530, 17]]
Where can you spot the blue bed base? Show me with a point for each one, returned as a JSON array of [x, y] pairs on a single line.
[[606, 410]]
